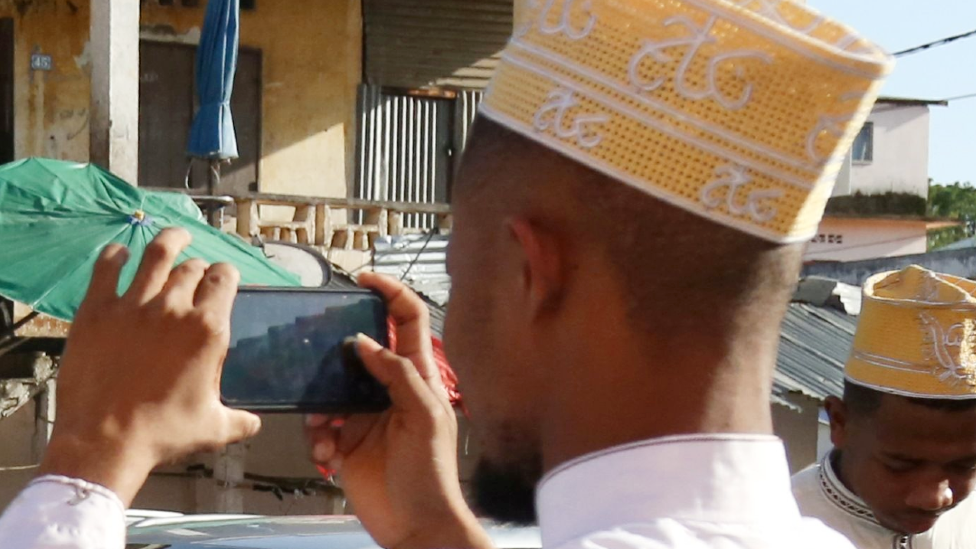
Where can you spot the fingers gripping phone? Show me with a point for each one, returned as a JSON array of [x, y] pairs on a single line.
[[290, 351]]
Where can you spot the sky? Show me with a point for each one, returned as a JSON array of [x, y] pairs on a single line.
[[939, 73]]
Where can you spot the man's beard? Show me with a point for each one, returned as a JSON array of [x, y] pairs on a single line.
[[506, 492]]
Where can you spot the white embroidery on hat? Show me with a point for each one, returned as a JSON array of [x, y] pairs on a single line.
[[770, 9], [952, 348], [661, 106], [928, 290], [581, 129], [848, 41], [697, 37], [831, 124], [565, 26], [525, 27], [835, 125], [733, 177]]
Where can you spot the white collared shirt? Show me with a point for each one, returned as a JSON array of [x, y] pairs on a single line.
[[61, 513], [688, 492], [820, 493]]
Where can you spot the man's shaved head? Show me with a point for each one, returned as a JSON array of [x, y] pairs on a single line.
[[675, 266]]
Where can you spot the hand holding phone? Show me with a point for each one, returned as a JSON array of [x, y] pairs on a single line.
[[292, 350]]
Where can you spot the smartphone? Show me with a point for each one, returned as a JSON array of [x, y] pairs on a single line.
[[291, 351]]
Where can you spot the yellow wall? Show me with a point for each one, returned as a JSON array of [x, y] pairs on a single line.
[[312, 59], [50, 108]]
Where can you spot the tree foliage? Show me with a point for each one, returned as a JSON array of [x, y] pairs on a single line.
[[955, 201]]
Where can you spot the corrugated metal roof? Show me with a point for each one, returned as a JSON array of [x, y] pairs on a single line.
[[447, 43], [912, 101], [419, 260], [814, 344], [342, 280]]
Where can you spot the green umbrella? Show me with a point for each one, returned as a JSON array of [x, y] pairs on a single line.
[[55, 218]]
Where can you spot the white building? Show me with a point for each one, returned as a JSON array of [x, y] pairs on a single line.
[[890, 156]]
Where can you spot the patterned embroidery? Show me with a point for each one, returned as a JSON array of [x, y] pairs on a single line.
[[525, 27], [581, 129], [565, 26], [952, 348], [695, 39], [928, 290], [833, 125], [733, 177], [837, 494]]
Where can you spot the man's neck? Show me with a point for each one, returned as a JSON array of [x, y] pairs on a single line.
[[835, 458], [698, 391]]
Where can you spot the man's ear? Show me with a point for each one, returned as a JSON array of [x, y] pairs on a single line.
[[542, 265], [839, 420]]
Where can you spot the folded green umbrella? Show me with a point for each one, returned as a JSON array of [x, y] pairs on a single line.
[[56, 216]]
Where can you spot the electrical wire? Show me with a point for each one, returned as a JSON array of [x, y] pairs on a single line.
[[960, 97], [935, 44]]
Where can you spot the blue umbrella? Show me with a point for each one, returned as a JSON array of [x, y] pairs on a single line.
[[212, 134]]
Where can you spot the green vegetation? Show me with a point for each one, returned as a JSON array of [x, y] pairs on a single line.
[[882, 204], [956, 201]]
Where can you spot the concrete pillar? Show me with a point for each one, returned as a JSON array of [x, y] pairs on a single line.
[[44, 411], [228, 475], [115, 86], [44, 406]]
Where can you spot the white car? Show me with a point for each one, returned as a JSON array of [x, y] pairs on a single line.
[[151, 530]]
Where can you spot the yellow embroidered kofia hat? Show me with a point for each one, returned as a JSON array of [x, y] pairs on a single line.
[[738, 110], [916, 335]]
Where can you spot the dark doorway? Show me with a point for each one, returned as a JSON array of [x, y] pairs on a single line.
[[166, 107], [6, 90]]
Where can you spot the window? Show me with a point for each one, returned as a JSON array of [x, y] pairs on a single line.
[[863, 150]]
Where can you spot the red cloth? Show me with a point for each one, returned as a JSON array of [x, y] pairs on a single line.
[[440, 358]]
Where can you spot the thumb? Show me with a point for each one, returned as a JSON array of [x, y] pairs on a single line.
[[240, 425], [408, 390]]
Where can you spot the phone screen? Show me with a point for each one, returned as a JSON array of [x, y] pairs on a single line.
[[288, 352]]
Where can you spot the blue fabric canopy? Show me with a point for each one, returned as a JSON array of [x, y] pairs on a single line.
[[212, 134]]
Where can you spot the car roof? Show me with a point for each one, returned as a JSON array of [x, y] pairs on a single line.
[[296, 532]]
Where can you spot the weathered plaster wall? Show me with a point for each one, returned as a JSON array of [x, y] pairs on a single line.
[[312, 59], [50, 107]]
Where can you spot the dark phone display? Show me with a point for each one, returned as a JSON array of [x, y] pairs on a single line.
[[286, 351]]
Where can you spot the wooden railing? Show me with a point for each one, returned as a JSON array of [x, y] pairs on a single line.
[[314, 219]]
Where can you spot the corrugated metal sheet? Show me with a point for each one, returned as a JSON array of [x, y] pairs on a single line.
[[418, 260], [814, 344], [465, 111], [342, 280], [406, 146], [445, 43], [404, 149]]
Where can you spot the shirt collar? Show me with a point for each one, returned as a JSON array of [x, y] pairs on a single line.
[[711, 478], [839, 495]]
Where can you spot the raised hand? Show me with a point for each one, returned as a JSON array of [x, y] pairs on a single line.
[[140, 381], [399, 469]]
